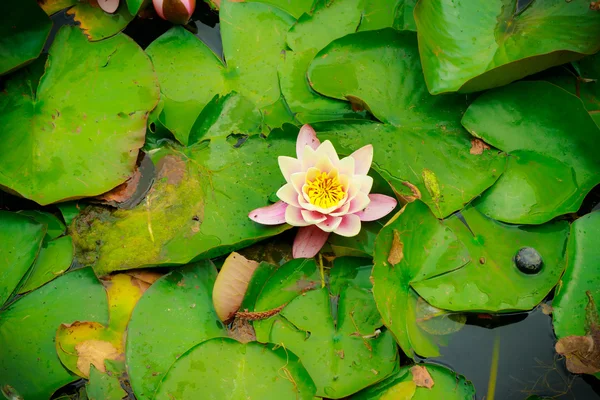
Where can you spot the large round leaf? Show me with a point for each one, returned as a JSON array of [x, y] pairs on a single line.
[[21, 240], [339, 344], [404, 385], [28, 359], [175, 314], [412, 247], [553, 145], [490, 280], [222, 368], [55, 257], [74, 136], [480, 44], [421, 145], [190, 74], [581, 281], [23, 32]]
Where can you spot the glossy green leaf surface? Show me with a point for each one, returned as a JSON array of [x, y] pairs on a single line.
[[173, 315], [448, 386], [476, 45], [197, 191], [61, 143], [23, 32], [553, 145], [580, 279], [103, 386], [223, 368], [21, 239], [28, 328], [419, 127], [339, 344], [490, 280], [190, 74], [400, 262], [293, 7], [97, 24], [54, 258], [55, 227]]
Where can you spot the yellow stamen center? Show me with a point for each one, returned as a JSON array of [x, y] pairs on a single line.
[[325, 190]]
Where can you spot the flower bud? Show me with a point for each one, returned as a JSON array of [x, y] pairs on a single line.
[[109, 6], [175, 11]]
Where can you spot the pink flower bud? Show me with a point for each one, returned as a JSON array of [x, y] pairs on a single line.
[[175, 11], [109, 6]]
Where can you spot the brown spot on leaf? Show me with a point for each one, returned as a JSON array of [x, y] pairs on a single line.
[[415, 193], [124, 191], [582, 352], [242, 331], [357, 104], [546, 308], [421, 377], [172, 168], [478, 146], [95, 352], [396, 253]]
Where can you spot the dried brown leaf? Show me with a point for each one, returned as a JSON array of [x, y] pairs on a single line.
[[396, 253], [582, 352], [478, 146], [95, 352], [421, 377]]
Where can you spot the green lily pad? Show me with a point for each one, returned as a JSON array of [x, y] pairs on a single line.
[[197, 191], [293, 7], [55, 257], [97, 24], [400, 261], [55, 226], [21, 239], [553, 148], [23, 33], [104, 387], [490, 281], [419, 128], [177, 312], [70, 210], [448, 385], [581, 280], [340, 343], [477, 45], [404, 19], [67, 146], [228, 369], [134, 6], [190, 74], [28, 327]]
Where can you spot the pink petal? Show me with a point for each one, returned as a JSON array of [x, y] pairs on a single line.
[[288, 194], [298, 180], [380, 206], [346, 166], [350, 226], [109, 6], [330, 224], [327, 149], [309, 240], [293, 216], [324, 164], [313, 217], [363, 158], [366, 183], [158, 6], [288, 166], [306, 137], [270, 215], [343, 210], [359, 203]]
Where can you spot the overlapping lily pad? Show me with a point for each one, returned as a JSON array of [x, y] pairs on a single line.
[[422, 145], [28, 328], [226, 368], [60, 141], [476, 45], [175, 314], [340, 343], [190, 74], [23, 32], [553, 145], [55, 257]]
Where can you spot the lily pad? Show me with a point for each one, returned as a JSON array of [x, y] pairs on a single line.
[[23, 33], [418, 127], [448, 385], [340, 344], [190, 74], [72, 144], [400, 261], [97, 24], [581, 281], [553, 146], [491, 280], [176, 312], [477, 45], [28, 327], [21, 239], [228, 369], [55, 258], [55, 227], [104, 387]]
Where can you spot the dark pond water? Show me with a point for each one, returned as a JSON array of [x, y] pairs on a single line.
[[508, 357]]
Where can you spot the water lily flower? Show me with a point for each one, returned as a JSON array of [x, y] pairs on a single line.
[[175, 11], [324, 194]]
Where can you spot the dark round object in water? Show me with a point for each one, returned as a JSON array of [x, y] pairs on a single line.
[[529, 261]]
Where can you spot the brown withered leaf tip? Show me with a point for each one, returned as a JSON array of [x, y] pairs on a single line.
[[478, 146], [421, 377], [396, 253], [582, 352]]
